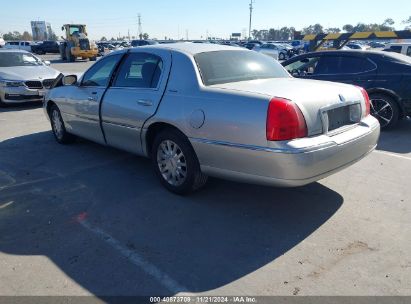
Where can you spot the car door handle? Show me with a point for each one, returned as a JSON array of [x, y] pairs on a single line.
[[146, 103]]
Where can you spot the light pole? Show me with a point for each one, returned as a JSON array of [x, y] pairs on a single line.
[[251, 18]]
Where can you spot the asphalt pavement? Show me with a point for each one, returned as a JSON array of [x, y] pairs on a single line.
[[84, 219]]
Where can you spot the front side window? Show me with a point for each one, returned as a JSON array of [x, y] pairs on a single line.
[[140, 70], [306, 66], [396, 49], [100, 73], [233, 66]]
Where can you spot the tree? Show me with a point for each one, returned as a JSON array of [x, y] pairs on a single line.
[[26, 36], [313, 29], [53, 36], [145, 36], [408, 23], [387, 25], [348, 28], [333, 30], [12, 36], [103, 38], [255, 33]]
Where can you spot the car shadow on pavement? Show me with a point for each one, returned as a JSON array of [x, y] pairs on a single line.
[[397, 140], [203, 241], [21, 107]]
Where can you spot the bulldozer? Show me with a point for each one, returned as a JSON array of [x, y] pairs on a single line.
[[76, 44]]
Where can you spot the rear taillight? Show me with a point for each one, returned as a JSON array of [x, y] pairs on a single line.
[[367, 101], [285, 121]]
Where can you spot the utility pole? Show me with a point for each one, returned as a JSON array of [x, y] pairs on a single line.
[[140, 27], [251, 18]]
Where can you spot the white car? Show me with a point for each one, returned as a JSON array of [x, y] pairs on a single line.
[[270, 50], [23, 77], [19, 45], [401, 48]]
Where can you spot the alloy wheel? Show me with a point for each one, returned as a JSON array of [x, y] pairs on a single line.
[[57, 124], [172, 163], [382, 110]]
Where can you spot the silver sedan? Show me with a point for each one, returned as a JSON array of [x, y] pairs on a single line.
[[23, 77], [201, 110]]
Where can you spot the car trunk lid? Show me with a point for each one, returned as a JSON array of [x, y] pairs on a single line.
[[326, 106]]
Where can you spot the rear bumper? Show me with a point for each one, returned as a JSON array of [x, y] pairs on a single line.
[[294, 163]]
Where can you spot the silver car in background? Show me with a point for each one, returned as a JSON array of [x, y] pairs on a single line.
[[204, 109], [23, 77]]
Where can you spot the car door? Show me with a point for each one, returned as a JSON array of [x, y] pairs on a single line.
[[350, 69], [134, 97], [82, 106]]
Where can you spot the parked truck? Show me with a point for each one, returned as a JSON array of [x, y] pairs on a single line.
[[77, 44]]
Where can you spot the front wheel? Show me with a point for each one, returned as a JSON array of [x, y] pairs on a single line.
[[93, 58], [176, 164], [57, 125], [385, 109], [281, 56]]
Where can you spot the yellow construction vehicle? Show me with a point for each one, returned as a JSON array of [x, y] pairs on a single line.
[[76, 44]]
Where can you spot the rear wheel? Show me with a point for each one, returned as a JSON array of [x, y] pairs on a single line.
[[281, 56], [69, 56], [57, 125], [93, 58], [176, 164], [385, 109]]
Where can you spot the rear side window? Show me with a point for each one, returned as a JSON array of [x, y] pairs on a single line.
[[409, 51], [352, 65], [343, 65], [100, 73], [139, 70], [233, 66]]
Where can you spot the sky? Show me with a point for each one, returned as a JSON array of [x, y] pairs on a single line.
[[195, 18]]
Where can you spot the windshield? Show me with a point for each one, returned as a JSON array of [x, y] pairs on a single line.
[[10, 59], [233, 66]]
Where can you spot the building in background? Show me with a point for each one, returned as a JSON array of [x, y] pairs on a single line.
[[41, 30]]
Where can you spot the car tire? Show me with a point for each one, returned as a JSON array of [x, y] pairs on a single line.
[[69, 56], [2, 104], [93, 58], [385, 109], [176, 164], [281, 56], [58, 127]]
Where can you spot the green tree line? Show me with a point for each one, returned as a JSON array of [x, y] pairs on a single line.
[[287, 33]]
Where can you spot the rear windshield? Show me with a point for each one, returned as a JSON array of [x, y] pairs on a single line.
[[233, 66]]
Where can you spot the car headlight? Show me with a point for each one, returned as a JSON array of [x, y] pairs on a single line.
[[10, 83]]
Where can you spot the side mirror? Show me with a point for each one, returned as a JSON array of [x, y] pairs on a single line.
[[47, 62], [69, 80]]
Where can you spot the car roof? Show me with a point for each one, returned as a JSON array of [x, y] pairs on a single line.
[[398, 44], [380, 54], [194, 48], [13, 51]]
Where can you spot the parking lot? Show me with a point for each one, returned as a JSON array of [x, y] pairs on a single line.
[[88, 220]]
